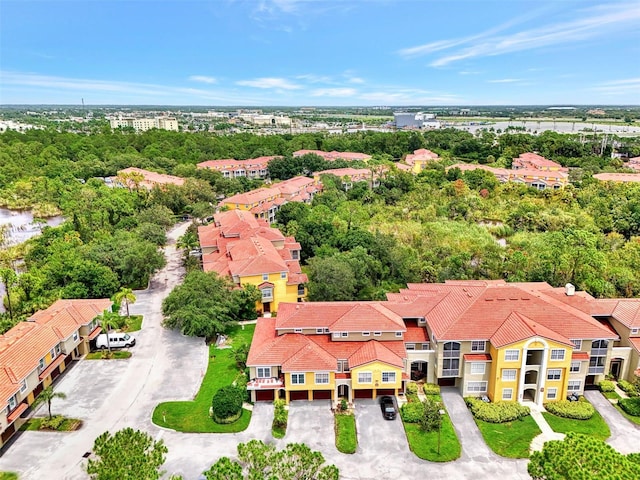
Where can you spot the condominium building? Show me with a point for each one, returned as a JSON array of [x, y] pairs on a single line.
[[144, 124], [133, 177], [331, 156], [231, 168], [508, 341], [247, 250]]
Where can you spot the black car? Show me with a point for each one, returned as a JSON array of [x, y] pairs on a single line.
[[388, 408]]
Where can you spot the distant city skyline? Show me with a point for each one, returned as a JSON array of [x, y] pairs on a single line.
[[320, 53]]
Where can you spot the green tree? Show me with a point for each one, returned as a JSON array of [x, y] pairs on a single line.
[[127, 455], [224, 469], [46, 396], [431, 419], [580, 457], [330, 279], [109, 320], [125, 294], [207, 304], [9, 280]]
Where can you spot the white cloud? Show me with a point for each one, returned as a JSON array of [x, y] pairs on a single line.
[[203, 79], [601, 20], [312, 78], [469, 72], [627, 86], [269, 82], [409, 97], [334, 92], [505, 80]]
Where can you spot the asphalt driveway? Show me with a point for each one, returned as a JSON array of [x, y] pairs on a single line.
[[312, 423], [625, 436]]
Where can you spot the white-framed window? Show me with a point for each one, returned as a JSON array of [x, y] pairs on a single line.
[[297, 378], [336, 334], [398, 334], [326, 329], [477, 368], [477, 387], [557, 354], [410, 346], [343, 365], [41, 364], [366, 334], [53, 353], [425, 346], [634, 331], [478, 346], [263, 372], [283, 275], [507, 394], [552, 393], [577, 343], [267, 293], [297, 330], [13, 403], [575, 367], [344, 334], [554, 374], [377, 334], [509, 374], [388, 377], [23, 386], [511, 355], [319, 330], [75, 336], [364, 377], [265, 277], [574, 385], [322, 378]]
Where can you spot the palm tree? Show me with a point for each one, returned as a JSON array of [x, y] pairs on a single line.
[[9, 279], [46, 396], [109, 320], [127, 295]]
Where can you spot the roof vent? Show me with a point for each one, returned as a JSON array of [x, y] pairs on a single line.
[[569, 290]]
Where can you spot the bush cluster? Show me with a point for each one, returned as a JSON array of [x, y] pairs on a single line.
[[227, 404], [498, 412], [412, 388], [630, 405], [280, 414], [567, 409], [628, 388], [607, 386], [412, 412], [412, 398], [431, 389], [53, 423]]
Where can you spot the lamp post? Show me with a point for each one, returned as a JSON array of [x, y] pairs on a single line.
[[441, 412]]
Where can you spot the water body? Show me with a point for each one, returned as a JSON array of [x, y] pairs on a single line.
[[560, 127], [20, 227]]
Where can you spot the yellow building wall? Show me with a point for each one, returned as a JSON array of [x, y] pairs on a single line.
[[496, 384], [281, 291], [376, 369], [310, 382]]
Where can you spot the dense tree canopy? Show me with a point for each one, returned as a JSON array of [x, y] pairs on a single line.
[[206, 304]]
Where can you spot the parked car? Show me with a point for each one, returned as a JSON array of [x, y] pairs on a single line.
[[116, 340], [388, 408]]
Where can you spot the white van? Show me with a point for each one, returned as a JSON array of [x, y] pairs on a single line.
[[116, 340]]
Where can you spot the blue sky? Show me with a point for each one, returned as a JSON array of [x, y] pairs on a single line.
[[307, 52]]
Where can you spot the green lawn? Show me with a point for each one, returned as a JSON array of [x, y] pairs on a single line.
[[611, 395], [193, 416], [68, 425], [115, 355], [425, 444], [134, 324], [346, 438], [595, 426], [8, 476], [510, 439]]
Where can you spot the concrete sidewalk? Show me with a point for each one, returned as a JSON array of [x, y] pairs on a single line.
[[547, 432]]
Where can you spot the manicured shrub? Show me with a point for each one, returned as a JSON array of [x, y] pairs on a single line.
[[280, 414], [412, 412], [630, 405], [431, 389], [412, 398], [567, 409], [412, 388], [226, 405], [343, 405], [498, 412], [607, 386], [53, 423], [628, 388]]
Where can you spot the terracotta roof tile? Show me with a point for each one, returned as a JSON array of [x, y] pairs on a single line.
[[150, 179], [416, 333], [372, 351], [67, 316], [617, 177], [579, 356], [477, 357]]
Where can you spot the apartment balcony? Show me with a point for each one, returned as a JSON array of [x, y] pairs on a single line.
[[599, 352], [535, 357], [596, 370], [451, 372], [270, 383]]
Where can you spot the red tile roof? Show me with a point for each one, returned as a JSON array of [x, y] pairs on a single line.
[[535, 161], [477, 357], [635, 343], [339, 316], [310, 358], [67, 316], [150, 179], [579, 356], [373, 351], [517, 327], [617, 177], [334, 155], [416, 334], [22, 347]]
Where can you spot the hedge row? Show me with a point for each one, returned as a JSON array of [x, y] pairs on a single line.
[[498, 412], [630, 405], [628, 388], [607, 386], [412, 412], [431, 389], [567, 409]]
